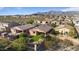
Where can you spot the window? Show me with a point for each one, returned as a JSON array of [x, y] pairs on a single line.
[[18, 31], [40, 21], [46, 22], [33, 31]]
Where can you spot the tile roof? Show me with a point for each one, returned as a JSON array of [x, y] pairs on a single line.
[[24, 27], [44, 27]]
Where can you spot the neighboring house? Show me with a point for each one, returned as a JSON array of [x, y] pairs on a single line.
[[42, 22], [76, 22], [63, 30], [43, 28], [22, 28], [55, 22], [5, 26], [77, 29], [76, 25]]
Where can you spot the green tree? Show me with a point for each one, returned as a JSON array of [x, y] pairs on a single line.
[[3, 43], [37, 37], [72, 33], [54, 32], [54, 24], [20, 43], [30, 21]]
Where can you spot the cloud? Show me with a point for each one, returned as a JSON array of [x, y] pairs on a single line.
[[71, 9]]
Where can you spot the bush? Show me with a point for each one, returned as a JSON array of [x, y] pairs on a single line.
[[72, 33], [20, 43], [67, 43], [37, 37], [30, 21], [51, 42], [54, 32], [3, 43]]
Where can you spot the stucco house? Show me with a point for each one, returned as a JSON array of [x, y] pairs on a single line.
[[76, 22], [31, 29], [22, 28], [63, 29], [76, 25], [5, 26], [41, 22], [43, 28]]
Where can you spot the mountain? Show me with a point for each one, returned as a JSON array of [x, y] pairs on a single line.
[[58, 12], [49, 12], [72, 12]]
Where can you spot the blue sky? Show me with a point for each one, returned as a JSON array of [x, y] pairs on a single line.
[[30, 10]]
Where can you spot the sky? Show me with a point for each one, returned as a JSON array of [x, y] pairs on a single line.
[[31, 10]]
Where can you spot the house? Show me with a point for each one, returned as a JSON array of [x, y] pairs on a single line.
[[55, 22], [76, 22], [77, 29], [31, 29], [63, 29], [41, 22], [22, 28], [43, 28], [44, 21], [76, 25], [5, 26]]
